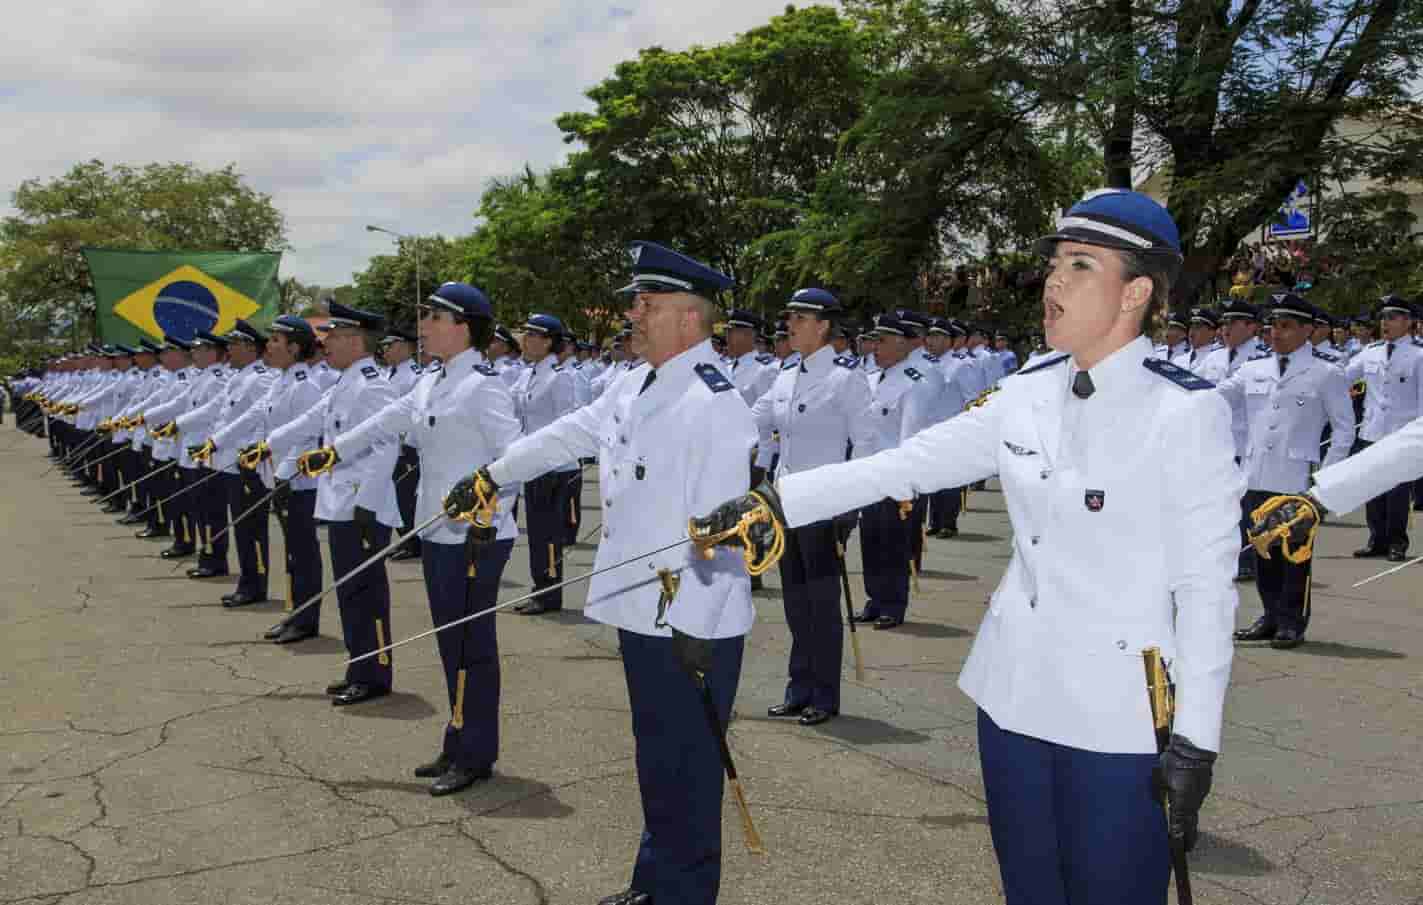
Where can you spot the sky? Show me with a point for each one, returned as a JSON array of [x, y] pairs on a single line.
[[346, 112]]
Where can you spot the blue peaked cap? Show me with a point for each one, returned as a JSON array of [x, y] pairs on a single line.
[[818, 300], [149, 346], [656, 268], [346, 316], [462, 299], [204, 338], [1117, 218], [290, 323], [544, 324]]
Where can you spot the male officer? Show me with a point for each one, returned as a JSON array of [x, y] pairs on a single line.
[[209, 389], [1178, 323], [543, 394], [1204, 323], [1322, 337], [1392, 370], [242, 425], [901, 405], [131, 431], [1119, 476], [505, 354], [751, 378], [355, 497], [158, 412], [1288, 397], [1006, 355], [269, 462], [465, 413], [403, 371], [1240, 324], [671, 439], [962, 384], [817, 409]]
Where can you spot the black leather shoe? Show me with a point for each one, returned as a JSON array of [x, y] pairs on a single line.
[[112, 508], [242, 598], [948, 533], [357, 692], [275, 632], [434, 768], [178, 551], [1287, 638], [1370, 553], [785, 710], [130, 519], [885, 622], [294, 633], [1260, 630], [1397, 554], [403, 554], [814, 716], [338, 687], [91, 491], [863, 616], [147, 533], [628, 897], [206, 572], [456, 778], [532, 608]]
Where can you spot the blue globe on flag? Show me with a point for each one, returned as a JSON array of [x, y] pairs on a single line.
[[183, 307]]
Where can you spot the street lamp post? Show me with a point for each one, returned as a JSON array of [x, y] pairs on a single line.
[[415, 241]]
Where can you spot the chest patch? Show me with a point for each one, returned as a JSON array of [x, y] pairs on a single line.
[[299, 375], [371, 372], [913, 374], [713, 378], [1094, 500]]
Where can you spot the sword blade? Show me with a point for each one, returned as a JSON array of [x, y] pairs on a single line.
[[577, 579], [1387, 572], [172, 496], [369, 561], [124, 489], [73, 456], [246, 512]]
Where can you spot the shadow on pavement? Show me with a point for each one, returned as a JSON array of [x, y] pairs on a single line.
[[1347, 651], [931, 630], [863, 730], [946, 576], [530, 799], [398, 705], [1216, 855], [318, 645], [970, 537]]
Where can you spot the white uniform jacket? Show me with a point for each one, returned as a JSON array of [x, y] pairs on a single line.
[[149, 391], [543, 394], [1223, 363], [1124, 509], [1286, 417], [664, 455], [818, 409], [960, 384], [461, 419], [290, 394], [325, 376], [1193, 359], [172, 403], [752, 379], [1395, 386], [403, 376], [363, 480], [1392, 461], [209, 387], [233, 414], [902, 403]]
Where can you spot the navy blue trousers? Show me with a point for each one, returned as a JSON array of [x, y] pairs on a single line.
[[472, 734], [884, 549], [679, 772], [547, 526], [364, 600], [1072, 827], [407, 482], [945, 508], [160, 487], [212, 505], [251, 536], [185, 525], [810, 589], [571, 505], [303, 556]]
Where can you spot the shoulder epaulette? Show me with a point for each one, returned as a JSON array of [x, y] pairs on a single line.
[[913, 374], [557, 368], [371, 372], [182, 375], [765, 359], [298, 375], [1325, 356], [1261, 355], [846, 361], [486, 370], [1373, 344], [415, 366], [787, 367], [712, 377], [260, 369], [1042, 365], [932, 358], [1177, 374]]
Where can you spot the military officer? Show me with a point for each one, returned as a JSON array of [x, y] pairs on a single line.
[[270, 463], [1323, 336], [817, 408], [1287, 397], [962, 385], [671, 439], [466, 413], [135, 463], [506, 354], [751, 378], [1120, 480], [209, 390], [355, 496], [158, 412], [543, 394], [403, 371], [1202, 339], [1002, 344], [1392, 370], [901, 405]]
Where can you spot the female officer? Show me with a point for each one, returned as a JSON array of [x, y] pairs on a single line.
[[1119, 474], [463, 410], [817, 408]]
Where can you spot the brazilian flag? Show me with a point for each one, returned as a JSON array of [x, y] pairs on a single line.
[[175, 293]]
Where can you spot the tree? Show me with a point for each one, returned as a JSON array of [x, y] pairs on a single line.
[[395, 284], [44, 283]]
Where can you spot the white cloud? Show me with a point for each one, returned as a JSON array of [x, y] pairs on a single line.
[[347, 113]]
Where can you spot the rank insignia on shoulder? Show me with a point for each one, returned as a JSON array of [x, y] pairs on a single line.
[[845, 361], [415, 367], [260, 369], [1177, 374], [913, 374], [1043, 365], [765, 359], [1325, 356], [371, 372], [486, 370], [182, 376], [299, 375], [788, 365], [713, 378], [933, 358], [1017, 450]]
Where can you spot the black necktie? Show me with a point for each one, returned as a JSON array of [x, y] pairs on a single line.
[[883, 375], [1284, 363], [651, 376], [1082, 385], [1389, 355], [734, 363], [1232, 355], [802, 368]]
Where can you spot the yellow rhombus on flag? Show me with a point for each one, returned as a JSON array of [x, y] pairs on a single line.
[[183, 295]]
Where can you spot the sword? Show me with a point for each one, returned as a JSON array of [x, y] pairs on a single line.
[[369, 561], [850, 613], [1161, 698], [246, 512], [748, 829], [193, 486], [578, 579], [74, 455], [106, 457], [124, 489], [1387, 572]]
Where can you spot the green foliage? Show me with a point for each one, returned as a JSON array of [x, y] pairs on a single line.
[[45, 292]]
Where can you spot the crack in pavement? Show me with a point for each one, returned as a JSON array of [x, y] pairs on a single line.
[[540, 892]]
